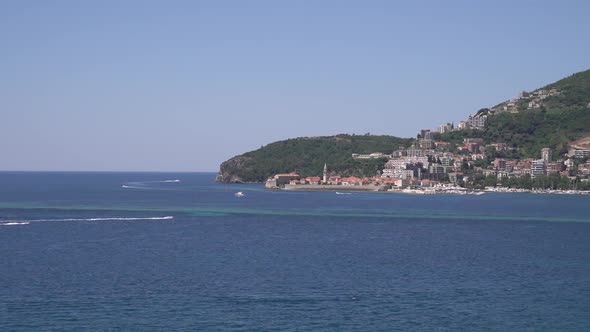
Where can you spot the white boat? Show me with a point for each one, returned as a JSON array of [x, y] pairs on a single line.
[[340, 193], [239, 194]]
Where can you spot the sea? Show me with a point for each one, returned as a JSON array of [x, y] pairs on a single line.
[[85, 251]]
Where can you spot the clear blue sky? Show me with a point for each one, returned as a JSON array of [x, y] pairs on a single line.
[[184, 85]]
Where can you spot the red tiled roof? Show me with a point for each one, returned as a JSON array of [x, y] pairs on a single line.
[[351, 179]]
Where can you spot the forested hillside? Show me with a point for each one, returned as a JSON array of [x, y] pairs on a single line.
[[307, 156]]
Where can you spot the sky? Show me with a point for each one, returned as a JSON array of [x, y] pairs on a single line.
[[184, 85]]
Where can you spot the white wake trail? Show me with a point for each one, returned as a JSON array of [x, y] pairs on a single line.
[[142, 184], [26, 222]]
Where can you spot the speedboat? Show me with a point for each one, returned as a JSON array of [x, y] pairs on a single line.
[[239, 194]]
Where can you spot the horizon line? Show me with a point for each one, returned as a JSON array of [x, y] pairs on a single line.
[[98, 171]]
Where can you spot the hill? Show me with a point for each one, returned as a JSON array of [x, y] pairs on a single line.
[[307, 155], [552, 116], [575, 92], [552, 121]]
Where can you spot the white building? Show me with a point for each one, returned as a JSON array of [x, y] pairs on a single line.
[[538, 167], [446, 128], [546, 154], [580, 153], [477, 121]]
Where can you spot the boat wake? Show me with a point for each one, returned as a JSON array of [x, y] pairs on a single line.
[[14, 223], [26, 222], [144, 184], [136, 187]]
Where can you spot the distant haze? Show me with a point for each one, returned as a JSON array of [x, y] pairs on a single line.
[[184, 85]]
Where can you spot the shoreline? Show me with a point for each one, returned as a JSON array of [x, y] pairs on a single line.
[[428, 191], [537, 191], [332, 187]]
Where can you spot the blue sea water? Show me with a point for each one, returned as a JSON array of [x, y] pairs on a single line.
[[139, 252]]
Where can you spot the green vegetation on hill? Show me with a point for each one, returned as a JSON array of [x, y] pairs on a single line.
[[562, 119], [530, 131], [307, 156], [575, 93]]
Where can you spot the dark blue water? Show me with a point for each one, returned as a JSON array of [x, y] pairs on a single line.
[[80, 252]]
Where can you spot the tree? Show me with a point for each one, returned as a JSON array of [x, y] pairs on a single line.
[[490, 181]]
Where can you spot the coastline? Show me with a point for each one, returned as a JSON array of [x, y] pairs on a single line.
[[537, 191], [425, 191], [330, 187]]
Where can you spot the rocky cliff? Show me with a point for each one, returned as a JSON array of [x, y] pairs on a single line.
[[227, 173]]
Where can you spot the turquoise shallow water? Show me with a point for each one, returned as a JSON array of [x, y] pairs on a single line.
[[137, 251]]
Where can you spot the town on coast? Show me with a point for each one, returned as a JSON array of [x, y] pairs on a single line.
[[424, 171], [431, 165]]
